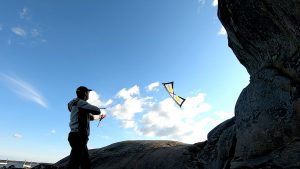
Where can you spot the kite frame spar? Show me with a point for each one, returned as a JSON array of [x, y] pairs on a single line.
[[172, 94]]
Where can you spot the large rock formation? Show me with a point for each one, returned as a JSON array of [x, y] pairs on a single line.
[[265, 36], [265, 132]]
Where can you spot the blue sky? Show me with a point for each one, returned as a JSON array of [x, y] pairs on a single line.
[[123, 50]]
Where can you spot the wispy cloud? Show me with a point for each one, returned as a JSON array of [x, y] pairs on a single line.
[[19, 31], [33, 34], [1, 27], [24, 89], [215, 3], [222, 31], [17, 136], [164, 119], [24, 13], [153, 86]]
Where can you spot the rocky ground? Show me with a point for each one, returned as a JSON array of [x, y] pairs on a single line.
[[143, 155]]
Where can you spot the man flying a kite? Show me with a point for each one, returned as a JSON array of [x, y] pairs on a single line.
[[81, 114]]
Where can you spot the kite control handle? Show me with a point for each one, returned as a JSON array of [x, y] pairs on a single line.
[[102, 116]]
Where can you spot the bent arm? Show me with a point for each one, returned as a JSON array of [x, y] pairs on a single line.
[[89, 108]]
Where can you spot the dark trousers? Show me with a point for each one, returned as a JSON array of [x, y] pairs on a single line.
[[79, 155]]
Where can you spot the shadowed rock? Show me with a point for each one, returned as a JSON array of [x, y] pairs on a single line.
[[265, 36], [143, 155]]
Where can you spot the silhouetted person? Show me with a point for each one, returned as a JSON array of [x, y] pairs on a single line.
[[81, 114]]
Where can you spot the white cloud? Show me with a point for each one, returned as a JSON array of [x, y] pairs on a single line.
[[153, 86], [125, 112], [224, 115], [53, 131], [94, 99], [1, 27], [25, 90], [215, 3], [164, 119], [131, 105], [170, 121], [222, 31], [19, 31], [195, 105], [17, 136], [127, 94]]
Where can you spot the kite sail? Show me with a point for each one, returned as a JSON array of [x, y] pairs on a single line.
[[169, 87]]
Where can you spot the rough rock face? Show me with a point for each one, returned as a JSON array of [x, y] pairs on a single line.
[[218, 150], [143, 155], [265, 37]]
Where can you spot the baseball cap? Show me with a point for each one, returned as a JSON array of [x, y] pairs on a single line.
[[82, 89]]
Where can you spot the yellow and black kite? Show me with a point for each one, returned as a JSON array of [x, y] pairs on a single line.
[[169, 87]]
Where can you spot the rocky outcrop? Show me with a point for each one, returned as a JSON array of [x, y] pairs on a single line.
[[47, 166], [265, 133], [218, 150], [265, 36], [143, 155]]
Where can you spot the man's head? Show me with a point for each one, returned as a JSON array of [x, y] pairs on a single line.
[[83, 92]]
